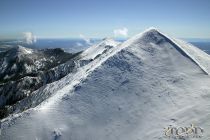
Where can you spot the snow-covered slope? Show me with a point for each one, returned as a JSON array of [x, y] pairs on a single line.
[[98, 49], [198, 55], [133, 91]]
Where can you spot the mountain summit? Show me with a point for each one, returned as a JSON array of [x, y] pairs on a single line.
[[131, 91], [96, 50]]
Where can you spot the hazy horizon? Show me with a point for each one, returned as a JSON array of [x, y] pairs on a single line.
[[99, 19]]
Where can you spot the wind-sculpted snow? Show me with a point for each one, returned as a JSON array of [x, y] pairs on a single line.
[[130, 92], [199, 56]]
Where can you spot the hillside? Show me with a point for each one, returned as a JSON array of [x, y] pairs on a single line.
[[131, 91]]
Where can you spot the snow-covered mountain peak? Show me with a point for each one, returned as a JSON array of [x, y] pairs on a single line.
[[20, 50], [151, 29], [140, 87], [151, 32], [149, 35], [146, 36], [96, 50], [108, 42], [152, 38]]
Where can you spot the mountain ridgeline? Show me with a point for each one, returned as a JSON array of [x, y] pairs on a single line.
[[25, 70], [130, 90]]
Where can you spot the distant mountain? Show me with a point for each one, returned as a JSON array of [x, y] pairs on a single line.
[[95, 51], [99, 49], [130, 91], [23, 70], [20, 61]]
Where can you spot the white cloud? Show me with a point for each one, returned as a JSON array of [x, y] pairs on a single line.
[[121, 32], [87, 40], [29, 37]]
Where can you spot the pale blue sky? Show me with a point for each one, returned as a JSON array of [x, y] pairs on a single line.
[[99, 18]]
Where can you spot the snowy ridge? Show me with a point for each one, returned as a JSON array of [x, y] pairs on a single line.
[[199, 56], [23, 50], [20, 51], [132, 91], [99, 48], [82, 72], [193, 53], [86, 70], [25, 70]]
